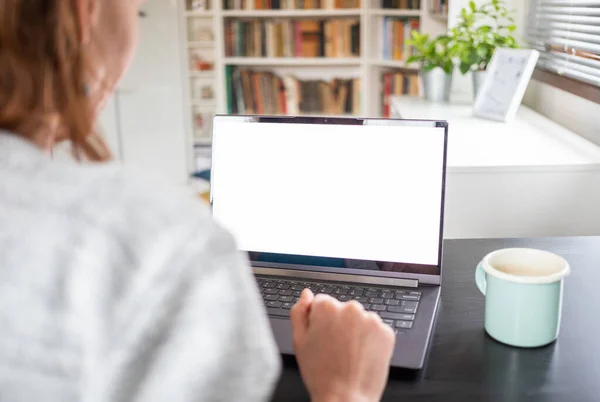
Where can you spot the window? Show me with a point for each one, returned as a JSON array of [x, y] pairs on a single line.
[[567, 34]]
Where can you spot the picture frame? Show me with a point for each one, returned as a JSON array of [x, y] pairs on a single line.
[[508, 75]]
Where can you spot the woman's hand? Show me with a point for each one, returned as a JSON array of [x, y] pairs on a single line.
[[343, 351]]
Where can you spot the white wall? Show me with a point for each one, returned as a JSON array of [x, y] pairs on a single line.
[[145, 122], [571, 111]]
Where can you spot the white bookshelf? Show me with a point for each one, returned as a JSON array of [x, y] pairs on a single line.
[[369, 66], [389, 63], [292, 61], [351, 12], [199, 13], [395, 13]]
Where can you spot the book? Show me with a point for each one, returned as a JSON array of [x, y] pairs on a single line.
[[403, 4], [398, 83], [229, 89], [439, 6], [287, 38], [395, 32], [290, 4], [260, 92]]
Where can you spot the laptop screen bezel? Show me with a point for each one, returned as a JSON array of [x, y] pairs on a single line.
[[322, 120]]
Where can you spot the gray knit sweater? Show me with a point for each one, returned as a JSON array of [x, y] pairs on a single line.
[[113, 288]]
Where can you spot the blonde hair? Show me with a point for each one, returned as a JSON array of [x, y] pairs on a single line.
[[44, 73]]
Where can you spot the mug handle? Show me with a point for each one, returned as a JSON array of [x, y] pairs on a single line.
[[480, 278]]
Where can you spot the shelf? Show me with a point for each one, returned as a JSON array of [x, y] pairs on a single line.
[[292, 61], [202, 74], [350, 12], [439, 17], [195, 44], [392, 63], [198, 103], [202, 143], [396, 13], [200, 13]]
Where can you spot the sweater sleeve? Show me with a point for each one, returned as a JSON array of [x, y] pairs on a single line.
[[191, 328]]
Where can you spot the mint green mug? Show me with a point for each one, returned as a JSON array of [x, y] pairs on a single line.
[[523, 295]]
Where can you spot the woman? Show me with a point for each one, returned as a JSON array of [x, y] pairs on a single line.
[[108, 285]]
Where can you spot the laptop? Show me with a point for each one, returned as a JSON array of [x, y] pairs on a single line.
[[350, 207]]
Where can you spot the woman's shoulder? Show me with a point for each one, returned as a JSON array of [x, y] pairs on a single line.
[[139, 210]]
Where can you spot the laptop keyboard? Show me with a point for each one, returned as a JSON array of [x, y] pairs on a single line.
[[396, 307]]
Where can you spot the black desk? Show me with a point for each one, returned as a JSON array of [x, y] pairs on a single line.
[[465, 364]]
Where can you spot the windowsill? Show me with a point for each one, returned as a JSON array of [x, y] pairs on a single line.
[[530, 142], [584, 90]]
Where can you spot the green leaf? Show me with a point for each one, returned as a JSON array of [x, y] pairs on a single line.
[[473, 6], [448, 67], [413, 59], [482, 51], [465, 68]]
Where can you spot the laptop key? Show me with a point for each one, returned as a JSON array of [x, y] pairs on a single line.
[[343, 298], [371, 294], [341, 291], [356, 292], [278, 312], [386, 295], [296, 299], [378, 307], [297, 287], [360, 299], [388, 322], [404, 324], [271, 297], [286, 299], [409, 297], [402, 309], [328, 290], [409, 303], [275, 304], [375, 300], [268, 285], [283, 286], [297, 293], [391, 316], [271, 291], [403, 316], [285, 292], [414, 293], [287, 305]]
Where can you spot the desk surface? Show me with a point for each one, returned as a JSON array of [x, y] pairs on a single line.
[[530, 141], [464, 364]]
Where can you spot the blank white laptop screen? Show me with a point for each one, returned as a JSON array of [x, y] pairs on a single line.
[[360, 194]]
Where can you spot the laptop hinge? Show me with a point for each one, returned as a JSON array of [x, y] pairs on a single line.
[[327, 276]]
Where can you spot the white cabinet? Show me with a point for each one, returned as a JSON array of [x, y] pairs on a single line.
[[527, 178]]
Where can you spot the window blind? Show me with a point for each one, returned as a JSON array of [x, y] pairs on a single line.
[[567, 34]]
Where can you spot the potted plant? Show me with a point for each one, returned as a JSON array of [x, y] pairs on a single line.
[[480, 30], [435, 57]]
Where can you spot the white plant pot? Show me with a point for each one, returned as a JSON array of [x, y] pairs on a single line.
[[437, 85]]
